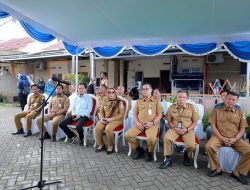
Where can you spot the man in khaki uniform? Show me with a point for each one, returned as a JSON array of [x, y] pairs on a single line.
[[182, 118], [58, 107], [34, 104], [111, 115], [228, 126], [147, 114], [121, 92]]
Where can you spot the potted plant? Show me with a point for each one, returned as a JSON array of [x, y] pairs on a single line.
[[205, 119], [71, 77]]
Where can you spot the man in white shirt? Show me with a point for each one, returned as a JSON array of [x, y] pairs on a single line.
[[80, 113]]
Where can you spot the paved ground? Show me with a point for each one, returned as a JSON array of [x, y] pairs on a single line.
[[81, 168]]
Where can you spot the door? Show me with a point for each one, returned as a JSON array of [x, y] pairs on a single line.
[[165, 84]]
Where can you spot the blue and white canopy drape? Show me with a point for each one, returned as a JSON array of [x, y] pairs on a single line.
[[239, 50]]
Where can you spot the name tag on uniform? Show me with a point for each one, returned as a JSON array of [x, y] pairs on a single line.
[[59, 105], [149, 112]]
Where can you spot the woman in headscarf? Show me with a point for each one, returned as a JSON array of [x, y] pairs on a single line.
[[23, 87], [111, 115]]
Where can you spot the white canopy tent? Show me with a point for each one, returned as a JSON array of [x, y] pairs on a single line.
[[98, 23]]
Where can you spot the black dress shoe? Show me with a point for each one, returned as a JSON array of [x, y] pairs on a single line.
[[241, 178], [186, 160], [28, 134], [138, 153], [81, 142], [19, 132], [167, 163], [46, 136], [213, 173], [100, 149], [110, 151], [53, 139], [148, 156]]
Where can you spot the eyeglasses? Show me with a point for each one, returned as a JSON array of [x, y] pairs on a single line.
[[111, 92]]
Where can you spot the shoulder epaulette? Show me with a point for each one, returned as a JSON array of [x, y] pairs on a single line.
[[237, 107], [220, 105]]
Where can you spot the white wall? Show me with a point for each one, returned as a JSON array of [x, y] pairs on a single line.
[[111, 73], [229, 69], [84, 66], [150, 67]]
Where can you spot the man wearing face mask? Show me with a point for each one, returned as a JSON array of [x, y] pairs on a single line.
[[58, 107], [80, 113], [147, 114], [182, 118]]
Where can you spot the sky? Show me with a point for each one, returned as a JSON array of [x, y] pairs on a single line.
[[10, 29]]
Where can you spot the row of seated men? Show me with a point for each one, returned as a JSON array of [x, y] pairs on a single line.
[[227, 121]]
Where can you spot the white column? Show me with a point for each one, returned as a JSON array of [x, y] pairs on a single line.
[[76, 72], [73, 64], [121, 73], [247, 78], [92, 65]]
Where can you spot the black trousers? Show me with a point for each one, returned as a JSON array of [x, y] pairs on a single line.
[[23, 100], [79, 126]]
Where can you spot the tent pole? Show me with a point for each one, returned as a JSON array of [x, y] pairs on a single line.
[[76, 70], [92, 65], [73, 64], [248, 82]]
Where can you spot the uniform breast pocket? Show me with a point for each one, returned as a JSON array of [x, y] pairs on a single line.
[[187, 114], [141, 107], [235, 119], [221, 120], [174, 114], [53, 102]]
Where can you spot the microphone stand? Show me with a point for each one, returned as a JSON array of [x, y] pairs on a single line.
[[42, 182]]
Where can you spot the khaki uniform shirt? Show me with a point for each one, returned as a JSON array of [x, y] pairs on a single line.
[[58, 103], [147, 110], [35, 101], [186, 114], [108, 106], [228, 122]]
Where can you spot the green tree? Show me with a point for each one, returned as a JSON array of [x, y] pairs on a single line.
[[71, 77]]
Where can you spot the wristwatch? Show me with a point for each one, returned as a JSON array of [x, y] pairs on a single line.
[[153, 122]]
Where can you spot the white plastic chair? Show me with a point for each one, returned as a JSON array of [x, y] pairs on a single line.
[[180, 142], [228, 158], [199, 129], [59, 134], [142, 136]]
